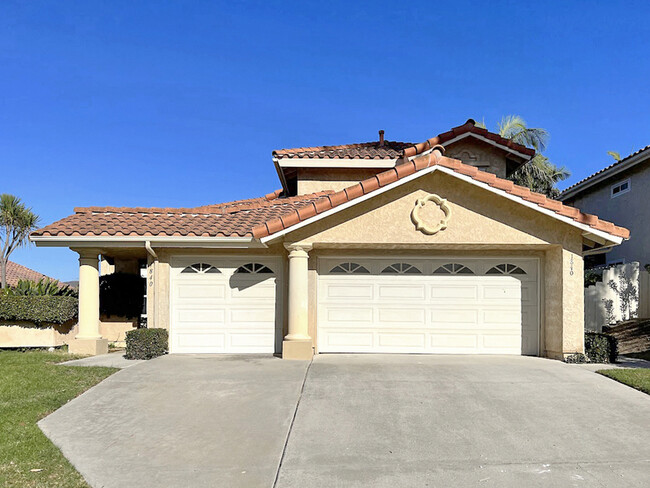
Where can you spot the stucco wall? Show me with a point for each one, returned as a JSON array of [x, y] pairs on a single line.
[[480, 223], [319, 179], [630, 210], [480, 154], [23, 334]]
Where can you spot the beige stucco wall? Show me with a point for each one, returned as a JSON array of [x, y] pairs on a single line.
[[20, 334], [319, 179], [481, 224], [480, 154], [114, 329]]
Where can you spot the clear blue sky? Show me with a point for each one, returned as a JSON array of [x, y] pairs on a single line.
[[181, 103]]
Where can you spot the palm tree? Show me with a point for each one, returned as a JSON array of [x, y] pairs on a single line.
[[539, 174], [615, 155], [16, 222]]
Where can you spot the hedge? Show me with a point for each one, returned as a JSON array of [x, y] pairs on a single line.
[[146, 343], [40, 310], [599, 348]]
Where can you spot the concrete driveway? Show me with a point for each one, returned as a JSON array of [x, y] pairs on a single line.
[[356, 420]]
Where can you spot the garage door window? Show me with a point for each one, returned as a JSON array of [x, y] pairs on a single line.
[[506, 269], [349, 268], [253, 268], [200, 268], [453, 268], [401, 268]]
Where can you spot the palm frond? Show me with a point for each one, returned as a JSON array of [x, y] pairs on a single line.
[[514, 127], [615, 155]]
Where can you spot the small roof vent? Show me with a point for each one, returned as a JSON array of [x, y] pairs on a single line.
[[381, 137]]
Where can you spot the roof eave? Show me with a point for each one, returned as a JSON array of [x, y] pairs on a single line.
[[599, 177], [603, 236], [157, 241]]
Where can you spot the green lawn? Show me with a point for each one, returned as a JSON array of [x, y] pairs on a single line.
[[638, 378], [31, 387]]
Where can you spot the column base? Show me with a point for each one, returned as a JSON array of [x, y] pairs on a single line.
[[88, 347], [297, 350]]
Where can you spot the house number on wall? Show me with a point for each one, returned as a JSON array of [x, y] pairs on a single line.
[[571, 266]]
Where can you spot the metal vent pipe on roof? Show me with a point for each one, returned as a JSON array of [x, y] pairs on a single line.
[[381, 137]]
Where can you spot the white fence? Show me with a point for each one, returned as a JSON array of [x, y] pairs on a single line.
[[623, 294]]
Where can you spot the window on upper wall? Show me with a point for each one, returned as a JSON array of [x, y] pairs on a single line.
[[620, 188]]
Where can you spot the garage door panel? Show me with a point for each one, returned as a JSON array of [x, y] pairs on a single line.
[[427, 313], [200, 291], [201, 341], [443, 341], [449, 290], [403, 340], [193, 316], [414, 292], [225, 312], [347, 291], [345, 315], [344, 339], [448, 316], [401, 316], [511, 317]]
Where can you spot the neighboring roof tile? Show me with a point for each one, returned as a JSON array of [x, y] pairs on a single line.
[[607, 168], [219, 220], [394, 149], [420, 163], [363, 150], [16, 272]]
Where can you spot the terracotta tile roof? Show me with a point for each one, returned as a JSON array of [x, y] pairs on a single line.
[[607, 168], [362, 150], [311, 209], [467, 127], [17, 272], [220, 220], [393, 149]]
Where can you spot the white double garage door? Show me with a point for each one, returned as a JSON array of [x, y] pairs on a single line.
[[451, 305]]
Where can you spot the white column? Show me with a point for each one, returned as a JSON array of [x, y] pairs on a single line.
[[297, 343], [88, 296], [89, 340]]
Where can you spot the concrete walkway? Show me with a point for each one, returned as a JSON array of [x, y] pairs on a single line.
[[360, 420], [112, 360]]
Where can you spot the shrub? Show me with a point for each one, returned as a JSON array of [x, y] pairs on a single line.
[[40, 310], [576, 358], [121, 295], [601, 348], [146, 343], [43, 287]]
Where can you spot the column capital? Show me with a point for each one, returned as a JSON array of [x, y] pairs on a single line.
[[292, 246], [87, 253]]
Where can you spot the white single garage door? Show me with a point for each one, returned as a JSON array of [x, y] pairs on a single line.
[[454, 306], [223, 305]]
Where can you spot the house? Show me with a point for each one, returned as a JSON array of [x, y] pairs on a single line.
[[17, 272], [384, 247], [616, 193]]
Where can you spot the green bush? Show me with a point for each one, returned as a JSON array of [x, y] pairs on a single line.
[[121, 295], [600, 348], [43, 287], [40, 310], [146, 343]]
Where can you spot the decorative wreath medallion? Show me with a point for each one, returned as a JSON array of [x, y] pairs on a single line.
[[424, 227]]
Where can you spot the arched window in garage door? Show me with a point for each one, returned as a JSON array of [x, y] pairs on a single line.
[[200, 268], [506, 269], [349, 268], [453, 268], [254, 268], [401, 268]]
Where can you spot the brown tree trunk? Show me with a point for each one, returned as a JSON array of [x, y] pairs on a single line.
[[3, 273]]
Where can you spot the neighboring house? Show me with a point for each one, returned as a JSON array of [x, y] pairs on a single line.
[[17, 272], [383, 247], [618, 193]]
